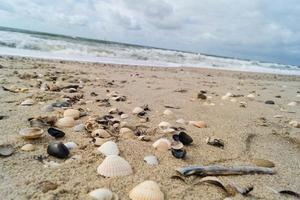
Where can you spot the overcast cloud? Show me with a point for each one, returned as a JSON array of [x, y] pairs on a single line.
[[257, 29]]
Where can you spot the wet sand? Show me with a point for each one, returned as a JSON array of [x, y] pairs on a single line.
[[248, 132]]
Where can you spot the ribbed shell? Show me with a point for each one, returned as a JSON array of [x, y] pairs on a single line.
[[72, 113], [65, 122], [109, 148], [147, 190], [113, 166]]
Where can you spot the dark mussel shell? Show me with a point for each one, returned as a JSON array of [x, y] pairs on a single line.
[[58, 150], [56, 133], [175, 137], [185, 138], [179, 153]]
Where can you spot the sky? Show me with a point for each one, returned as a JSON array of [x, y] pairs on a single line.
[[267, 30]]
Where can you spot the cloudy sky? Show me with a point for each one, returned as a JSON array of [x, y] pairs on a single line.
[[267, 30]]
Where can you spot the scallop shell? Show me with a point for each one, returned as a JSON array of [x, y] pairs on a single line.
[[100, 133], [103, 194], [127, 133], [75, 114], [113, 166], [199, 124], [151, 160], [168, 112], [109, 148], [27, 102], [147, 190], [65, 122], [162, 144], [31, 133], [28, 147], [137, 110]]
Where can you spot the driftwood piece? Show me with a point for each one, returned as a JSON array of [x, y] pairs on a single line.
[[216, 170]]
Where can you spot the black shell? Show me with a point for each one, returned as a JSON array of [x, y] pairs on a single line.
[[58, 150], [185, 138], [56, 133], [175, 137], [179, 153]]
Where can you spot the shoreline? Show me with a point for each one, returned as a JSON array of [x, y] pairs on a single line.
[[250, 128]]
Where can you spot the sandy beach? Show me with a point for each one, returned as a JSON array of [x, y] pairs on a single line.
[[249, 128]]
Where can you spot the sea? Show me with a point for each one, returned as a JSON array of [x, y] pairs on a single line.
[[16, 42]]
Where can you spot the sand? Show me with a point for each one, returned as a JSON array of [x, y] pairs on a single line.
[[245, 134]]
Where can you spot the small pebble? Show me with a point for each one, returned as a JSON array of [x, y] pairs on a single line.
[[79, 128], [270, 102]]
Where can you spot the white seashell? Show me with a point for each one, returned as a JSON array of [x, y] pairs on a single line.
[[295, 124], [199, 124], [180, 121], [124, 116], [102, 194], [31, 133], [65, 122], [27, 102], [47, 108], [100, 133], [151, 160], [28, 147], [226, 96], [278, 116], [75, 114], [168, 112], [147, 190], [70, 145], [137, 110], [164, 125], [127, 133], [113, 166], [293, 103], [113, 111], [162, 144], [109, 148], [79, 128], [250, 96]]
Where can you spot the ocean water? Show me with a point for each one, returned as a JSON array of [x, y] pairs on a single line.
[[43, 45]]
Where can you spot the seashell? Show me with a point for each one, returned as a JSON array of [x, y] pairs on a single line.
[[38, 123], [70, 145], [178, 153], [144, 138], [199, 124], [65, 122], [31, 133], [124, 116], [113, 111], [6, 150], [263, 163], [147, 190], [27, 102], [164, 125], [28, 147], [56, 133], [151, 160], [176, 145], [226, 96], [113, 166], [75, 114], [215, 142], [295, 123], [250, 96], [278, 116], [293, 103], [99, 141], [79, 128], [100, 133], [180, 121], [109, 148], [162, 144], [47, 108], [127, 133], [103, 194], [137, 110], [58, 150], [168, 112], [185, 138], [90, 125]]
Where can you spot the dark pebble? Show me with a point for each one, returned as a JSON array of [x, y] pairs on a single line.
[[185, 138], [58, 150], [271, 102], [56, 133], [278, 96], [179, 153]]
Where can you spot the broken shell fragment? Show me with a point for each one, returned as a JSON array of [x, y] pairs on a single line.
[[100, 133], [215, 142], [151, 160], [109, 148], [103, 194], [127, 133], [58, 150], [263, 163], [6, 150], [31, 133], [28, 147], [75, 114], [250, 96], [124, 116], [168, 112], [180, 121], [113, 166], [293, 103], [295, 123], [199, 124], [27, 102], [137, 110], [65, 122], [147, 190], [162, 144]]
